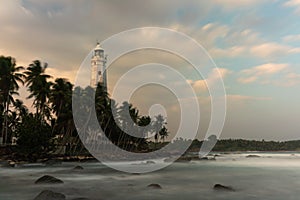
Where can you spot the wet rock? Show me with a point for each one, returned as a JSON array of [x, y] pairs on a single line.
[[150, 162], [184, 159], [252, 156], [223, 188], [78, 168], [50, 195], [8, 163], [136, 174], [48, 180], [154, 186], [12, 163]]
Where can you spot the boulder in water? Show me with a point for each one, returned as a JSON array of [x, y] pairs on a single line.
[[78, 168], [50, 195], [150, 162], [48, 180], [223, 187], [154, 186], [252, 156], [184, 159], [8, 163]]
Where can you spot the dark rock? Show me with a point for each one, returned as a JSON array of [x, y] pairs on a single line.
[[8, 163], [154, 186], [78, 168], [137, 174], [184, 159], [252, 156], [12, 163], [204, 158], [50, 195], [150, 162], [48, 180], [207, 158], [223, 187]]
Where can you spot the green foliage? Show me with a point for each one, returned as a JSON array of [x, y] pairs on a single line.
[[252, 145], [34, 136], [39, 87], [53, 117], [249, 145], [10, 77]]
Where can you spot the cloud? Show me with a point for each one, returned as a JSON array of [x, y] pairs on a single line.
[[271, 74], [291, 79], [234, 4], [198, 85], [294, 4], [266, 69], [262, 73], [272, 50], [270, 68], [245, 80], [215, 75], [231, 52], [249, 44], [247, 98], [292, 38], [266, 51]]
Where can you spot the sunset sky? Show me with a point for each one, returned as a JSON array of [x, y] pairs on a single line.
[[255, 43]]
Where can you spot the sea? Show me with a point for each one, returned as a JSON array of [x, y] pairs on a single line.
[[266, 176]]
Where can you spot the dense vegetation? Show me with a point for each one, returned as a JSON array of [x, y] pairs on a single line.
[[51, 126], [250, 145]]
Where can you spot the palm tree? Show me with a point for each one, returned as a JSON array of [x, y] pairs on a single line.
[[158, 125], [60, 96], [128, 117], [20, 108], [10, 77], [144, 123], [61, 102], [164, 133], [39, 87]]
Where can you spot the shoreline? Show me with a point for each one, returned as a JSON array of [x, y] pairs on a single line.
[[187, 157]]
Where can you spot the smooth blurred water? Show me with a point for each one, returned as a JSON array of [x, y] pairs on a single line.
[[271, 176]]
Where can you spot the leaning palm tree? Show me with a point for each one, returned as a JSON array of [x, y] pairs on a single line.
[[10, 77], [39, 87]]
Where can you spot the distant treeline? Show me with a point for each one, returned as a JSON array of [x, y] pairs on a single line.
[[250, 145]]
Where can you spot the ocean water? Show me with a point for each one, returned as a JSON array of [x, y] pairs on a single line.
[[270, 176]]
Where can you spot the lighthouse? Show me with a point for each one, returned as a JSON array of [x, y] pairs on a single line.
[[98, 64]]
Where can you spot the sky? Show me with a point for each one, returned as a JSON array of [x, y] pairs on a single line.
[[254, 43]]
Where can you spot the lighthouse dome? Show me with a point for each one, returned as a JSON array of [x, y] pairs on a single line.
[[98, 48]]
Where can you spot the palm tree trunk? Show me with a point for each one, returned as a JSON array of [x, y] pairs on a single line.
[[4, 127]]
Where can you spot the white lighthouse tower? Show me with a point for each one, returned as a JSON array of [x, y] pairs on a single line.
[[98, 64]]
